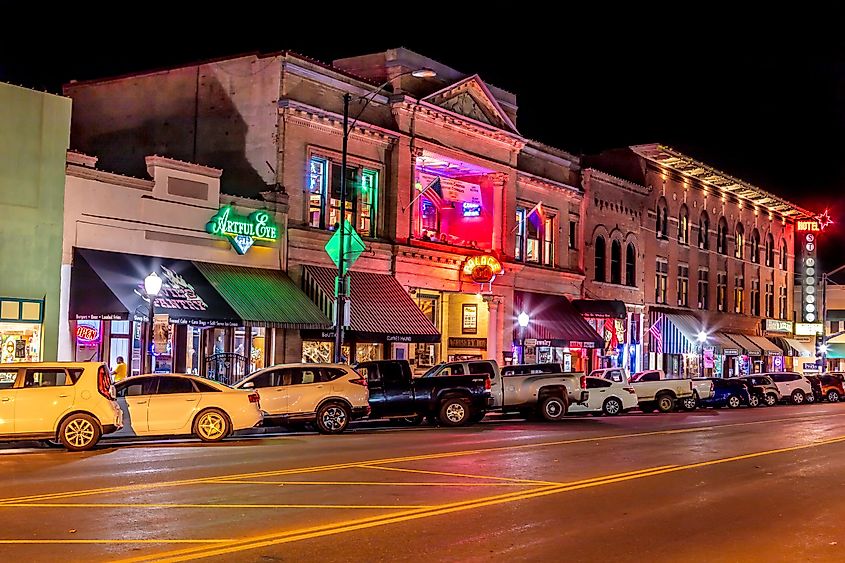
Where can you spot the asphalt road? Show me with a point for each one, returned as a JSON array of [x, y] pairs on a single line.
[[747, 485]]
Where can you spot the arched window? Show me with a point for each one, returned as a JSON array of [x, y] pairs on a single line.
[[770, 250], [739, 248], [683, 225], [755, 246], [662, 227], [704, 231], [783, 255], [616, 262], [631, 265], [722, 237], [600, 259]]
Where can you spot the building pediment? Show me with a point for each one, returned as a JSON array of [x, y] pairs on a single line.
[[471, 98]]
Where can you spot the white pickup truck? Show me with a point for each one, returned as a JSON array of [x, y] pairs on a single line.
[[654, 391]]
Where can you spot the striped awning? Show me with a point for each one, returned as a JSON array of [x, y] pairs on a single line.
[[680, 334], [381, 310]]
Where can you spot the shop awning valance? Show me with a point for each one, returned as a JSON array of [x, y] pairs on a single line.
[[723, 345], [797, 348], [601, 308], [766, 345], [262, 297], [749, 348], [553, 319], [110, 286], [381, 309]]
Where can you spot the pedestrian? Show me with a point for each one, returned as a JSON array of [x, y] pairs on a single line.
[[119, 372]]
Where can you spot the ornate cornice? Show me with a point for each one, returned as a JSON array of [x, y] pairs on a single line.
[[332, 123], [546, 183], [633, 187]]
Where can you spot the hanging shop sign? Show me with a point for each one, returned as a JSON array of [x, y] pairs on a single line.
[[808, 329], [88, 332], [483, 268], [161, 333], [242, 232], [774, 325], [709, 355], [458, 342]]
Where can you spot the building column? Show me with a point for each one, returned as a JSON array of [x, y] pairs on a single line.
[[495, 327], [499, 180]]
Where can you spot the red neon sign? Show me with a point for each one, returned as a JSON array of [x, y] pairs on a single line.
[[85, 333]]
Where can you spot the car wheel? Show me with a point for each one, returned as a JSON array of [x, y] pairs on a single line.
[[332, 418], [612, 406], [454, 412], [833, 396], [79, 432], [810, 398], [552, 409], [647, 407], [753, 401], [734, 402], [415, 420], [798, 397], [211, 425], [665, 403], [771, 400], [690, 403]]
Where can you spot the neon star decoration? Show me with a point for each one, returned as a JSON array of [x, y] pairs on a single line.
[[824, 219], [242, 232]]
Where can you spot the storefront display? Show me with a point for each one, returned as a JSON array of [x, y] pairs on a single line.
[[20, 330]]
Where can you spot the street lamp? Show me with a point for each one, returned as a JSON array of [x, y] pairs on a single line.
[[152, 286], [341, 287], [523, 319], [702, 338]]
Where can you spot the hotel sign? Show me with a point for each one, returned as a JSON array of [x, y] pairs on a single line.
[[242, 232], [808, 225]]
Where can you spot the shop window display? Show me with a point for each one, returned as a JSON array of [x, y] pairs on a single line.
[[21, 342]]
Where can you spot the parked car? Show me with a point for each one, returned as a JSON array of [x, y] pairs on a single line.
[[617, 375], [175, 404], [654, 391], [792, 386], [72, 403], [454, 401], [330, 395], [606, 397], [833, 386], [762, 389], [702, 388], [728, 392], [815, 385], [529, 389]]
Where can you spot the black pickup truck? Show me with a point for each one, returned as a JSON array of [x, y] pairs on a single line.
[[453, 401]]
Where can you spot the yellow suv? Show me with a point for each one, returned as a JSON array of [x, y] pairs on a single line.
[[69, 402]]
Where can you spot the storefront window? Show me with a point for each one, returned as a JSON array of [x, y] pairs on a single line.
[[317, 352], [119, 342], [368, 352], [324, 196], [88, 339], [257, 353], [21, 342]]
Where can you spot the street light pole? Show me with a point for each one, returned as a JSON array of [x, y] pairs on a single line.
[[702, 338], [341, 285], [523, 319], [152, 285]]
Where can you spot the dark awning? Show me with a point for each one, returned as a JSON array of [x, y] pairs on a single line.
[[381, 310], [601, 308], [552, 319], [746, 344], [110, 285], [263, 297]]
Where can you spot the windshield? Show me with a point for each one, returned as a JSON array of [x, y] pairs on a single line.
[[432, 370]]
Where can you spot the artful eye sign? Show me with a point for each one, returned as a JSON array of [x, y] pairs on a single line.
[[242, 231]]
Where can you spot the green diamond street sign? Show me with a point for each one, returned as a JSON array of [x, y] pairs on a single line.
[[353, 242]]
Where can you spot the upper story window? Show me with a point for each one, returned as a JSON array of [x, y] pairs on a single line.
[[704, 231], [722, 237], [662, 225], [683, 225], [755, 246], [630, 265], [573, 234], [661, 278], [784, 256], [600, 259], [721, 291], [683, 285], [362, 184], [616, 262], [535, 236], [770, 250], [739, 248], [703, 287]]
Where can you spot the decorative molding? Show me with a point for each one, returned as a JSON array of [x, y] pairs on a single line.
[[546, 183], [331, 122], [454, 121], [613, 180], [109, 178], [181, 166], [462, 91]]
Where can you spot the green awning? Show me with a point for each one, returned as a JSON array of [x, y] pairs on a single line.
[[835, 351], [262, 297]]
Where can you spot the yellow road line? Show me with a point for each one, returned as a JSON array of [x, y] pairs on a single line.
[[115, 541], [349, 465], [375, 483], [353, 525], [466, 475], [239, 506]]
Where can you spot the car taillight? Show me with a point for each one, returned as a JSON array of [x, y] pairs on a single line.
[[254, 398], [583, 382], [630, 390], [104, 382], [487, 385], [362, 381]]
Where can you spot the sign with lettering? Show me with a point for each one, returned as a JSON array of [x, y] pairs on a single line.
[[807, 225], [88, 332], [483, 268], [242, 232], [807, 329], [457, 342], [775, 325]]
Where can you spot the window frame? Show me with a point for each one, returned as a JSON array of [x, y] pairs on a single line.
[[661, 279], [616, 262], [630, 265], [703, 288], [683, 225], [683, 285], [355, 202], [600, 273]]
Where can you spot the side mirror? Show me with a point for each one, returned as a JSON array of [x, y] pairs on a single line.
[[248, 385]]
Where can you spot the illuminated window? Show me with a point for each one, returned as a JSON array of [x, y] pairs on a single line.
[[755, 298], [535, 237], [739, 294], [722, 237], [600, 259], [704, 231], [532, 239], [630, 265], [661, 277], [770, 300], [429, 218], [683, 225], [703, 287], [683, 285], [755, 246], [616, 262], [548, 241], [317, 176], [739, 249], [324, 179], [722, 291], [520, 233], [770, 250], [662, 225]]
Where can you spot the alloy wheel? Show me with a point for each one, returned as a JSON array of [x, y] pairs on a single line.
[[771, 400], [334, 418], [733, 401], [455, 412], [79, 432], [212, 426], [612, 407], [832, 396]]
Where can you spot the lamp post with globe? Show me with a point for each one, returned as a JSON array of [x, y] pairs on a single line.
[[152, 287], [523, 319]]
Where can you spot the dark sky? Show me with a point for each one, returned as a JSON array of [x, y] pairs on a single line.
[[764, 103]]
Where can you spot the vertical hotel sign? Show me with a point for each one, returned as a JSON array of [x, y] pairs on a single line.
[[808, 232], [241, 231]]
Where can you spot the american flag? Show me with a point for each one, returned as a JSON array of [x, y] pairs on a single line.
[[656, 332], [434, 193]]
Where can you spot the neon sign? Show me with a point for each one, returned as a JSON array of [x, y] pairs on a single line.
[[241, 231], [471, 209], [482, 269], [88, 333], [808, 225]]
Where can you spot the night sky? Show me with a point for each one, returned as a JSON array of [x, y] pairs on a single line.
[[768, 108]]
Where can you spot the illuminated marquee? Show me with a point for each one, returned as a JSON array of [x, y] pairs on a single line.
[[242, 232], [482, 269], [808, 225]]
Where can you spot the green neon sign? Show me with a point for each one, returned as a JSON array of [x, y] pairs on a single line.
[[242, 231]]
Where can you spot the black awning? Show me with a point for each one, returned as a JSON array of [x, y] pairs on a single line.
[[110, 285], [553, 319], [601, 308]]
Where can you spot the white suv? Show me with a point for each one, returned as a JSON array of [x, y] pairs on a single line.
[[328, 394], [792, 386], [73, 403]]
